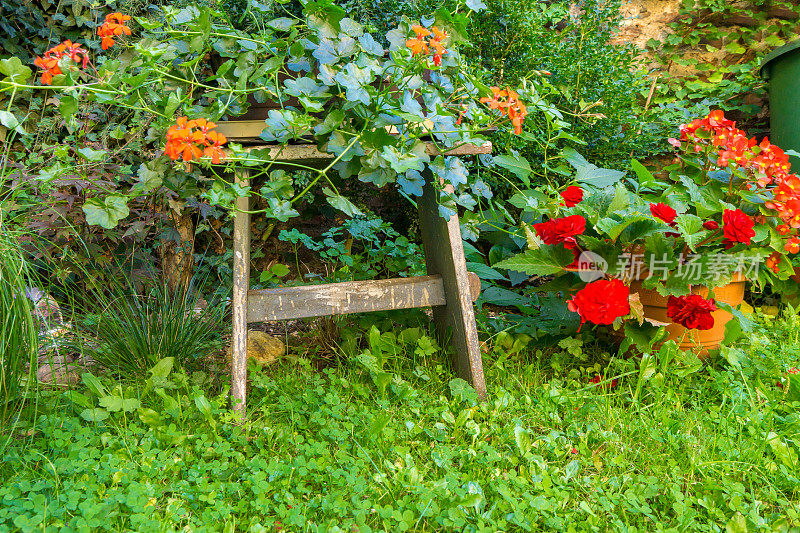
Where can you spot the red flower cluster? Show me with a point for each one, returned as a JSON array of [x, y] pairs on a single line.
[[663, 212], [773, 262], [114, 26], [49, 63], [737, 227], [768, 163], [561, 230], [605, 386], [507, 102], [192, 139], [421, 45], [601, 301], [789, 372], [572, 196], [691, 311]]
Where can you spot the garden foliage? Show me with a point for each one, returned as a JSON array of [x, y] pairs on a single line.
[[388, 441]]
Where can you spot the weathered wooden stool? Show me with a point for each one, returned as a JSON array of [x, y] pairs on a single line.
[[448, 288]]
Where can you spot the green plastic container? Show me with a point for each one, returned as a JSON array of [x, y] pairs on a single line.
[[781, 68]]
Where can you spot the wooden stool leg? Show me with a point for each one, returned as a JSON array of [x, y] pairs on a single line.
[[241, 284], [444, 255]]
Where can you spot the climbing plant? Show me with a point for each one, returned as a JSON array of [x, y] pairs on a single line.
[[712, 55]]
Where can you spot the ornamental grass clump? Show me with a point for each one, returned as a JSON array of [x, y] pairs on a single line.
[[18, 330], [727, 207], [128, 331]]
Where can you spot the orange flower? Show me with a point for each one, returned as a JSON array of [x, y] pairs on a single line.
[[792, 245], [508, 103], [50, 62], [773, 261], [421, 31], [422, 46], [417, 46], [193, 139], [113, 26]]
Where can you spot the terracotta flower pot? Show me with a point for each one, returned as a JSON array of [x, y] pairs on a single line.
[[701, 341]]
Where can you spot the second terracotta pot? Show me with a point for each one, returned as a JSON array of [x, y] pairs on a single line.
[[700, 341]]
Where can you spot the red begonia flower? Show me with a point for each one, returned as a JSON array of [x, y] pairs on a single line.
[[572, 196], [737, 227], [601, 301], [710, 225], [691, 311], [663, 212], [561, 230], [773, 261]]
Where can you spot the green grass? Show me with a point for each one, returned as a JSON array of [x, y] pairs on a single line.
[[18, 334], [388, 441]]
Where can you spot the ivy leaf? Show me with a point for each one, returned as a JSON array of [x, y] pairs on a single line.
[[10, 121], [150, 177], [106, 213], [338, 145], [285, 124], [543, 261], [280, 209], [67, 105], [411, 183], [341, 203], [324, 16], [279, 185], [333, 119], [370, 45], [14, 70], [311, 94], [481, 189], [355, 82], [401, 162], [282, 24], [397, 37], [90, 154], [326, 53], [466, 200], [411, 106], [351, 28], [379, 176], [450, 169], [519, 166]]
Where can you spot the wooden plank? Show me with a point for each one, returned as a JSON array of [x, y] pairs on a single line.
[[349, 297], [241, 285], [444, 255], [310, 154]]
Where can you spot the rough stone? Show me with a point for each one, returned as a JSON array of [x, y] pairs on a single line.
[[59, 374], [86, 361], [262, 348], [55, 360]]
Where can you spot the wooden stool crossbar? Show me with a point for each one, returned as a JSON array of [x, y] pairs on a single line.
[[449, 289]]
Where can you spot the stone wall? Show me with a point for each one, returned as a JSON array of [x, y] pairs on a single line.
[[651, 19]]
